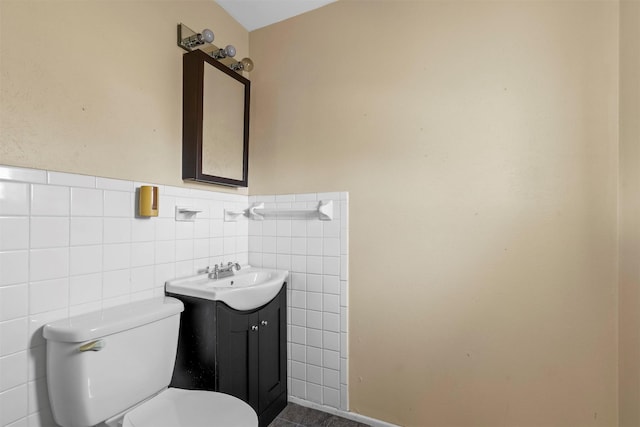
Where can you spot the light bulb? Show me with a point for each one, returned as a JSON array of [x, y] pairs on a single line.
[[207, 35], [230, 50], [247, 64], [223, 53]]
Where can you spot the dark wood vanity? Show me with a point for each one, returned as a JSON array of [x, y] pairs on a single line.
[[241, 353]]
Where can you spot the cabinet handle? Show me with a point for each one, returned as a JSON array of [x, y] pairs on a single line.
[[254, 327], [264, 323]]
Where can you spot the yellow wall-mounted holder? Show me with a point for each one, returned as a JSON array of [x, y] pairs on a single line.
[[148, 203]]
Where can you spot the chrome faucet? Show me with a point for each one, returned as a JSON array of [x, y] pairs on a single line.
[[221, 271]]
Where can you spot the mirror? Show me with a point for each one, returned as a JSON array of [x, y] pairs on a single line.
[[215, 122]]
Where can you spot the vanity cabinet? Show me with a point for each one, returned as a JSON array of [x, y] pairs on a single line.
[[241, 353]]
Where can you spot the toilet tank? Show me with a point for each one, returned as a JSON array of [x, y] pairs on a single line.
[[133, 358]]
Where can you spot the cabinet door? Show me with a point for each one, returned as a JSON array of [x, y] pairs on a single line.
[[272, 346], [237, 366]]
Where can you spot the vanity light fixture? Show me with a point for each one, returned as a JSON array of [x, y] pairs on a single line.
[[197, 39], [228, 51], [246, 64], [190, 40]]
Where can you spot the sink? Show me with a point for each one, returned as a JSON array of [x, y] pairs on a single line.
[[247, 289]]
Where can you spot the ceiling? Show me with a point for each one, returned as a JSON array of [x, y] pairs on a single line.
[[254, 14]]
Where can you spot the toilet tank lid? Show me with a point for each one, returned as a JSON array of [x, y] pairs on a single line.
[[111, 320]]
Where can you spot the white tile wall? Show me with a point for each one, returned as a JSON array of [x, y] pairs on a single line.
[[316, 253], [71, 244]]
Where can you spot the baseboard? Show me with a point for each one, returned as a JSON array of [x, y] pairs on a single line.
[[344, 414]]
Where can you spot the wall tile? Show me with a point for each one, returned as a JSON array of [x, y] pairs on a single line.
[[331, 340], [184, 229], [314, 337], [298, 371], [37, 358], [314, 393], [331, 397], [298, 353], [14, 233], [331, 322], [15, 198], [85, 259], [331, 359], [48, 264], [331, 285], [331, 378], [143, 230], [14, 302], [314, 301], [14, 267], [142, 253], [165, 251], [314, 319], [116, 256], [48, 295], [86, 202], [115, 283], [117, 230], [85, 231], [13, 370], [314, 264], [106, 256], [84, 289], [316, 260], [314, 228], [118, 204], [38, 396], [331, 247], [114, 184], [165, 229], [11, 173], [298, 317], [331, 265], [142, 278], [13, 404], [13, 336], [49, 232], [48, 200], [314, 355], [298, 335], [314, 246], [314, 374], [184, 250], [71, 179]]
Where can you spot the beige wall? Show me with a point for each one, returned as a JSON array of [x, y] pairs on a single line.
[[629, 214], [478, 141], [95, 87]]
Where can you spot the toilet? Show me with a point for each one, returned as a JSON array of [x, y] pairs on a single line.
[[113, 367]]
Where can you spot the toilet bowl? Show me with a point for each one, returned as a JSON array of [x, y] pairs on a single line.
[[113, 367], [190, 408]]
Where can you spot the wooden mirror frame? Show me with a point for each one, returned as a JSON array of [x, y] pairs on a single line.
[[192, 117]]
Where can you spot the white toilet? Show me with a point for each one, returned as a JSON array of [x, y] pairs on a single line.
[[112, 367]]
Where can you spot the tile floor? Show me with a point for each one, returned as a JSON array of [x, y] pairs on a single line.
[[299, 416]]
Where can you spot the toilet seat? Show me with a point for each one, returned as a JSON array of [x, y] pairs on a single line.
[[191, 408]]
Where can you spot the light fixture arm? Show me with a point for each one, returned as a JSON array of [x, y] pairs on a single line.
[[190, 40]]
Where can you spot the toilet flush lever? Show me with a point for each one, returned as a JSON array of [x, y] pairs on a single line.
[[93, 346]]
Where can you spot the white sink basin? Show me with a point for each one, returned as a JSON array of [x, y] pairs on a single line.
[[247, 289]]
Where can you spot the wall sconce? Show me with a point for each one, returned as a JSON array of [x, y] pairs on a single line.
[[246, 64], [190, 40], [228, 51], [197, 39]]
